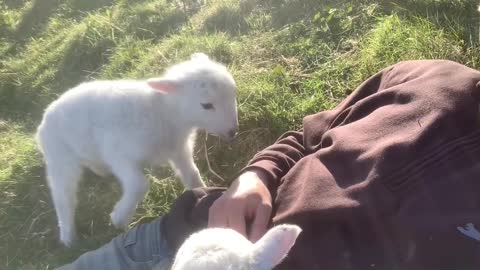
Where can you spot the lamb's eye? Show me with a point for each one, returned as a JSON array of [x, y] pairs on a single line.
[[207, 106]]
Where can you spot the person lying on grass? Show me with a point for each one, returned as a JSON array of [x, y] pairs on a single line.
[[388, 179]]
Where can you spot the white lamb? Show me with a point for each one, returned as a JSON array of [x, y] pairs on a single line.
[[221, 249], [118, 127]]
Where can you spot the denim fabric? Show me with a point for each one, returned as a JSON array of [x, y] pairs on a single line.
[[141, 248]]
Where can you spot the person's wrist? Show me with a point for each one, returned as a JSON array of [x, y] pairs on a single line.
[[257, 174]]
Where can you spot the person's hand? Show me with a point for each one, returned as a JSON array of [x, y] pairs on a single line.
[[247, 200]]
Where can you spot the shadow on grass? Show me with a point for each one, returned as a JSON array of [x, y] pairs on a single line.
[[28, 224], [226, 19], [34, 18], [14, 4], [154, 24], [457, 16], [85, 6], [443, 12]]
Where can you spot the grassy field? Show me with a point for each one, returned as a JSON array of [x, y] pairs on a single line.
[[289, 58]]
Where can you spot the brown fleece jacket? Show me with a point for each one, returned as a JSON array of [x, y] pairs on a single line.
[[382, 181]]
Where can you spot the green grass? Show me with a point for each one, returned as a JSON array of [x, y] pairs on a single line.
[[289, 58]]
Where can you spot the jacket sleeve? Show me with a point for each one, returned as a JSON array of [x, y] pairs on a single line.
[[277, 159]]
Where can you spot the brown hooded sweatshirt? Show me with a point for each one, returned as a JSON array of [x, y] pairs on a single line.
[[388, 179]]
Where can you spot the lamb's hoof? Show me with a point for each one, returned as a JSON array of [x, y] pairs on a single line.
[[67, 238], [119, 221]]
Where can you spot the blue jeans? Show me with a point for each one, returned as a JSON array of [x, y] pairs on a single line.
[[141, 248]]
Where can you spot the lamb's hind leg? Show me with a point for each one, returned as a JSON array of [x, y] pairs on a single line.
[[186, 169], [134, 187], [63, 177]]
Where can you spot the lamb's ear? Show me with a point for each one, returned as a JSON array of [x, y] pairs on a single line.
[[199, 56], [162, 85], [272, 248]]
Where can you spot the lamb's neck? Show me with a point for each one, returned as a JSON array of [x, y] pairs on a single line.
[[170, 115]]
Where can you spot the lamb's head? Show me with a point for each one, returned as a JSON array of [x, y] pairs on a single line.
[[205, 93], [225, 249]]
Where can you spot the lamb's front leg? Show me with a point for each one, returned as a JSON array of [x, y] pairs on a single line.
[[134, 187], [187, 170]]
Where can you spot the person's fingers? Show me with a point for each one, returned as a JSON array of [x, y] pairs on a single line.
[[260, 222], [216, 215], [236, 219]]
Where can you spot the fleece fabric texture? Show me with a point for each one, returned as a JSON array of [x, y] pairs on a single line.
[[388, 179]]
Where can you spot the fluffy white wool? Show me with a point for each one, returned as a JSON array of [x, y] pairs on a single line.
[[220, 249], [120, 126]]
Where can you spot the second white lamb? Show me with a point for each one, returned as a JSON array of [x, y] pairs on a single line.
[[224, 248]]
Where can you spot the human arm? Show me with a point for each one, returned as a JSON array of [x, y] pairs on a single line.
[[249, 198]]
